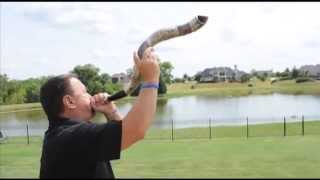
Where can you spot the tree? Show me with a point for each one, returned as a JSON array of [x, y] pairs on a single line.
[[186, 77], [3, 88], [245, 78], [111, 88], [32, 88], [287, 70], [95, 83], [285, 73], [105, 78], [294, 73], [262, 78], [197, 76], [178, 80], [15, 93], [166, 71], [162, 86], [88, 75], [28, 91]]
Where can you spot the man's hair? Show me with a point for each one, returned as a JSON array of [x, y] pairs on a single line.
[[52, 92]]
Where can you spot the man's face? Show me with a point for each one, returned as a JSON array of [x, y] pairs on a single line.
[[81, 98]]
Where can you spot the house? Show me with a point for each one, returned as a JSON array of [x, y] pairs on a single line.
[[220, 74], [311, 70], [121, 78]]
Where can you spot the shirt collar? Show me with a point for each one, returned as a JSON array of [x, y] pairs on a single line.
[[58, 121]]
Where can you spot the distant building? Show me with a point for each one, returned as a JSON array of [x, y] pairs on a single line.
[[220, 74], [121, 78], [311, 70]]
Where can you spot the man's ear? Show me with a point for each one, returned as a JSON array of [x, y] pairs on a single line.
[[69, 102]]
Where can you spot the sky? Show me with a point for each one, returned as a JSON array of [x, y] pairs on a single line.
[[51, 38]]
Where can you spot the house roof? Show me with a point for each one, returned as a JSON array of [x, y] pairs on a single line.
[[227, 70], [312, 69]]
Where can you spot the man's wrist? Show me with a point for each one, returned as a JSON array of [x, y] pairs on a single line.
[[111, 112], [114, 115], [150, 85]]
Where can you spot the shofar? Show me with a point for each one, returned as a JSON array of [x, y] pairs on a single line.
[[158, 36]]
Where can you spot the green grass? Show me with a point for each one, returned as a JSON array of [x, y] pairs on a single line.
[[290, 157], [256, 130], [18, 159], [229, 154], [222, 89], [19, 107]]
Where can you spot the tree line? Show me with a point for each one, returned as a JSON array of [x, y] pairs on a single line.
[[287, 74], [28, 91]]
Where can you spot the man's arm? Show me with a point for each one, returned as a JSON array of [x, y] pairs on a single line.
[[139, 118]]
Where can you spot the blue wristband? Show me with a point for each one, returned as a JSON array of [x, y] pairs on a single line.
[[150, 85]]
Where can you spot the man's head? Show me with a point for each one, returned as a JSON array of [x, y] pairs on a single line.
[[66, 96]]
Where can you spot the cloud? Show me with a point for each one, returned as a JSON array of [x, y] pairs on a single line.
[[255, 35], [87, 16], [227, 35], [312, 44]]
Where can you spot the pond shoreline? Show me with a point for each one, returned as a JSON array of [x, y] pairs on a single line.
[[213, 89], [37, 106]]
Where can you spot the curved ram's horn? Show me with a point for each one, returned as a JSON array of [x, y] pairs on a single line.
[[158, 36]]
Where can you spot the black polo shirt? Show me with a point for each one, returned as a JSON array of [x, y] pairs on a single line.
[[77, 149]]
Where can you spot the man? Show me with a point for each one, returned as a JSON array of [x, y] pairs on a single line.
[[74, 147]]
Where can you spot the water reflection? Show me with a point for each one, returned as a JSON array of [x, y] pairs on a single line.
[[195, 111]]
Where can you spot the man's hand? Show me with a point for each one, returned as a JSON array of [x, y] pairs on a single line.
[[148, 66], [99, 104]]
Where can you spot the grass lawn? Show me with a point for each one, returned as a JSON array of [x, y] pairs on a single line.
[[229, 154], [242, 89], [19, 107], [268, 157]]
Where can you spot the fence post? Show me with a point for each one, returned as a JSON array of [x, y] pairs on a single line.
[[28, 131], [302, 125], [210, 128], [247, 127], [284, 126], [172, 129]]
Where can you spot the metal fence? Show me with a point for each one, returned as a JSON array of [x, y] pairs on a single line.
[[210, 128], [243, 129]]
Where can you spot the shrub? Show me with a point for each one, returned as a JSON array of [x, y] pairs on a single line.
[[303, 79], [285, 78]]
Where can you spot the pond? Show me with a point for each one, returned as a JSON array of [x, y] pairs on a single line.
[[191, 111]]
